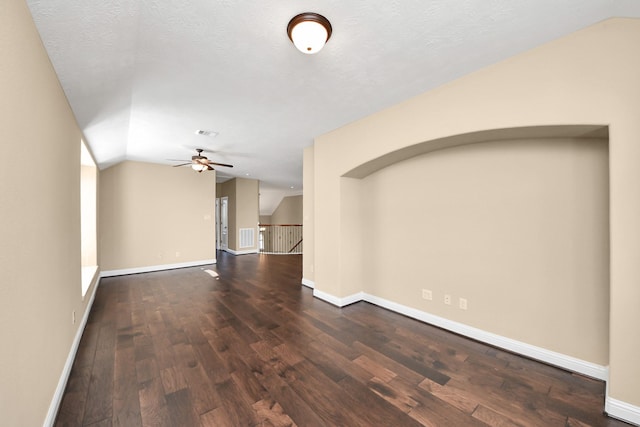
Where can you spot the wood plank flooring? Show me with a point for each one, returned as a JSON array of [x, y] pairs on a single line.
[[252, 347]]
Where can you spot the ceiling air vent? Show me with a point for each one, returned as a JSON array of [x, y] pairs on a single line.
[[206, 132]]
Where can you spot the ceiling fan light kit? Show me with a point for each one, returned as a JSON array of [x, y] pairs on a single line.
[[309, 32], [200, 163], [198, 167]]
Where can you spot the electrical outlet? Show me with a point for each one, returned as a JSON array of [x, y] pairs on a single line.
[[73, 317], [177, 254], [427, 294], [447, 299], [463, 303]]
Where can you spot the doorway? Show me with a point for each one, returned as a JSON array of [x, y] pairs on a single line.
[[222, 223]]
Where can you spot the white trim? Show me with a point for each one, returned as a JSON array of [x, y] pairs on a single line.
[[567, 362], [280, 253], [558, 359], [249, 251], [621, 410], [148, 269], [339, 302], [66, 370], [308, 283], [352, 299]]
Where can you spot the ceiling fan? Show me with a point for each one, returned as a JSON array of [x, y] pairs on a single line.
[[200, 163]]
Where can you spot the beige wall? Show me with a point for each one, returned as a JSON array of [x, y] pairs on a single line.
[[308, 224], [289, 211], [247, 209], [228, 190], [40, 266], [589, 77], [153, 215], [243, 210], [265, 219], [517, 228], [89, 215]]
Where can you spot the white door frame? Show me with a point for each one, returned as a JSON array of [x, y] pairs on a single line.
[[224, 223], [217, 223]]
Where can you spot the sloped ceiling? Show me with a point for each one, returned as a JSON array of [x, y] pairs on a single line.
[[142, 76]]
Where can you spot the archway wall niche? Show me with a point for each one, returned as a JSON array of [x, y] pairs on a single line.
[[516, 228]]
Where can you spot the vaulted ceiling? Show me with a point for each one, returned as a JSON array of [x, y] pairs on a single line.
[[142, 76]]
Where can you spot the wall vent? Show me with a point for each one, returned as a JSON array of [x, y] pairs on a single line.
[[247, 238]]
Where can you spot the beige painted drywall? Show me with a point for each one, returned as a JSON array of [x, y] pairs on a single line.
[[243, 210], [517, 228], [589, 77], [308, 225], [40, 266], [89, 215], [247, 209], [289, 211], [228, 190], [153, 215], [265, 219]]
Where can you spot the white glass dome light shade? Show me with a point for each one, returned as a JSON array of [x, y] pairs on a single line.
[[309, 37], [198, 167], [309, 32]]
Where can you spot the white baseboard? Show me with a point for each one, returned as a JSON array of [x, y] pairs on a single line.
[[148, 269], [557, 359], [66, 370], [340, 302], [621, 410], [308, 283], [281, 253], [246, 252]]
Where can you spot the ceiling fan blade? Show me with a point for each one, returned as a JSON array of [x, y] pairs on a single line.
[[177, 160], [200, 160], [221, 164]]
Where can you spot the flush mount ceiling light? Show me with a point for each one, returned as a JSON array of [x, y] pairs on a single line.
[[309, 32]]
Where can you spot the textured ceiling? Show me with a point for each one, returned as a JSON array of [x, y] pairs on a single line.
[[143, 75]]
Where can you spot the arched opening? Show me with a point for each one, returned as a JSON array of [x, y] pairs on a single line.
[[513, 222]]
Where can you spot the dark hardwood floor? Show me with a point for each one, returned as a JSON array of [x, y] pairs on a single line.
[[254, 348]]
